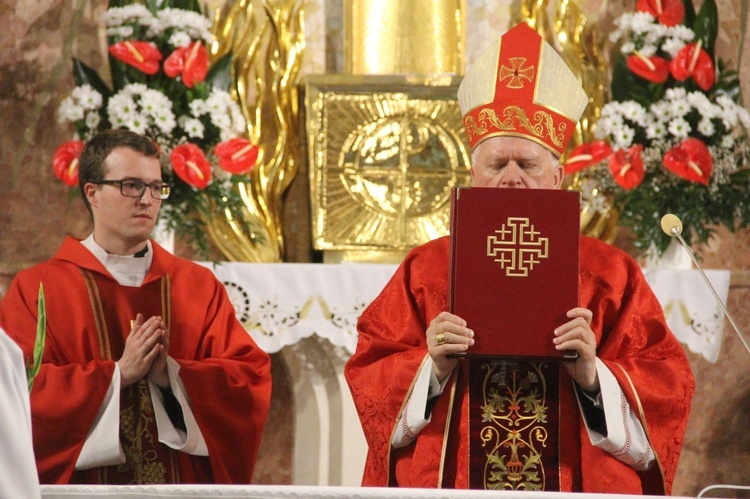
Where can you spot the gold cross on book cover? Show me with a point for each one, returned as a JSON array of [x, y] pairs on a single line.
[[514, 268]]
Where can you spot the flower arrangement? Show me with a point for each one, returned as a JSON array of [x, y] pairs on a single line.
[[674, 138], [163, 88]]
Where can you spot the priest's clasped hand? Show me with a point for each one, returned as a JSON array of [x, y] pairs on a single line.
[[145, 352], [577, 335], [447, 334]]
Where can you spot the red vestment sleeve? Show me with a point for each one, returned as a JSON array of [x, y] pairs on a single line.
[[390, 351], [66, 396], [229, 386], [650, 365]]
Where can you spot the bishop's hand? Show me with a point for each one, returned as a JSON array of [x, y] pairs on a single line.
[[447, 334], [577, 335]]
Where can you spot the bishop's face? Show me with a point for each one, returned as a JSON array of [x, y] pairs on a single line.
[[123, 224], [516, 163]]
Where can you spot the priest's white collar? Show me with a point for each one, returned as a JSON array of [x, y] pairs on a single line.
[[128, 270]]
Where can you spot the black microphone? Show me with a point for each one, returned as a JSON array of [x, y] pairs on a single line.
[[672, 226]]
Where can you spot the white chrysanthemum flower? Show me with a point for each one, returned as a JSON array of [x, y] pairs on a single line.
[[92, 120], [623, 137], [197, 107], [641, 22], [193, 127], [676, 93], [706, 127], [133, 89], [87, 97], [179, 39], [634, 112], [69, 111], [120, 31], [194, 24], [658, 31], [672, 46], [660, 109], [627, 48], [648, 50], [135, 13], [165, 121], [679, 128], [138, 123], [656, 130], [682, 32], [121, 107], [221, 120], [154, 102], [679, 108]]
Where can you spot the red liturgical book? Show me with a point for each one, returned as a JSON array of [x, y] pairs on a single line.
[[514, 268]]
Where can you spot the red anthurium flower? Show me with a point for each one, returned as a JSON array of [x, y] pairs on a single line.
[[587, 155], [237, 155], [654, 68], [627, 167], [191, 165], [191, 62], [690, 160], [65, 162], [667, 12], [142, 55], [693, 61]]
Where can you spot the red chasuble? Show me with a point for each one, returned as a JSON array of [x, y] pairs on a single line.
[[226, 375], [633, 341]]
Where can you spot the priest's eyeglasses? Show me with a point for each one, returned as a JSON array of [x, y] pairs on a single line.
[[134, 188]]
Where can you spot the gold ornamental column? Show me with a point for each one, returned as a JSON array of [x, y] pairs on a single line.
[[266, 38], [386, 142], [401, 37]]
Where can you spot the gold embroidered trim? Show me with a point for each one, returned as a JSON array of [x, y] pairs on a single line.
[[514, 118], [98, 311], [644, 423], [446, 430], [166, 301], [399, 416], [515, 417]]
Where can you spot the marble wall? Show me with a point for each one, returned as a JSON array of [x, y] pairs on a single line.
[[37, 40]]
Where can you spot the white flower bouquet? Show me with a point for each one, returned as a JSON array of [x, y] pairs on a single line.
[[674, 138], [165, 88]]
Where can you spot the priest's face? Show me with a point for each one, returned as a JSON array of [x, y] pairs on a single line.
[[516, 163], [122, 224]]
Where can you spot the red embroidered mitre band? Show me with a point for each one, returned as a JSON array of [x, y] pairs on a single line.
[[521, 87]]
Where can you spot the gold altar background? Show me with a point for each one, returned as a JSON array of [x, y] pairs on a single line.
[[37, 39]]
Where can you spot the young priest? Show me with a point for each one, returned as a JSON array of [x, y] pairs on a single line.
[[147, 376]]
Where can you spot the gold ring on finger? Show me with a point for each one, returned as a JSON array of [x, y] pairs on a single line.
[[440, 338]]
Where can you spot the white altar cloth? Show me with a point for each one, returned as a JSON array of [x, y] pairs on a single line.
[[292, 491], [279, 304]]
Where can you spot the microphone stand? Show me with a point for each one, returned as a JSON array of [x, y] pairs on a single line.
[[676, 232]]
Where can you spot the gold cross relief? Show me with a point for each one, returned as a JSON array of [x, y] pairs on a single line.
[[517, 246], [516, 73]]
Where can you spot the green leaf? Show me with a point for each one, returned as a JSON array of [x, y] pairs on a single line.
[[706, 25], [41, 333], [689, 13], [84, 74], [219, 77]]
